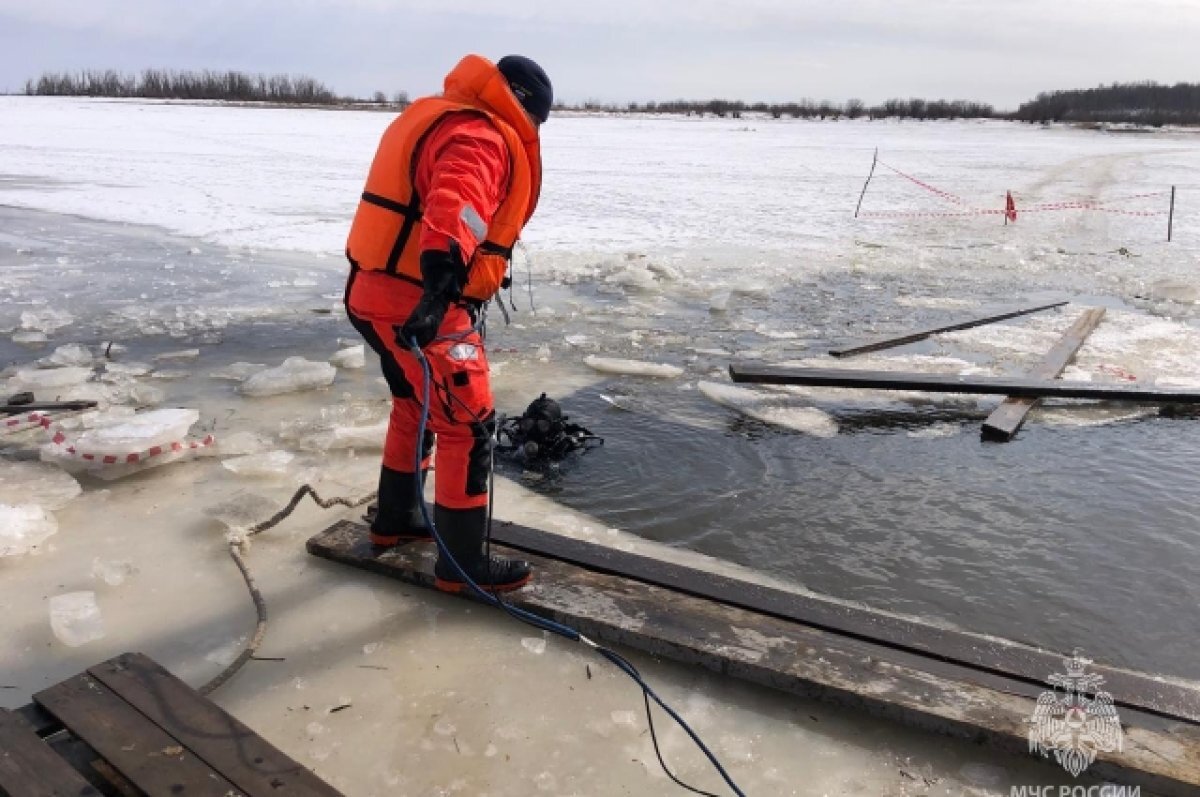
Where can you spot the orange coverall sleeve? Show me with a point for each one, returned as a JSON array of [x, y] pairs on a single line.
[[462, 177]]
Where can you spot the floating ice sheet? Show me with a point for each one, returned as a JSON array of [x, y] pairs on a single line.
[[46, 320], [36, 379], [36, 482], [271, 463], [24, 527], [771, 409], [241, 443], [127, 369], [350, 357], [71, 354], [242, 510], [136, 433], [296, 373], [112, 572], [613, 365], [238, 372]]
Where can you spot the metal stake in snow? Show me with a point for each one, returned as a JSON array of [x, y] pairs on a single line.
[[1171, 215], [874, 160]]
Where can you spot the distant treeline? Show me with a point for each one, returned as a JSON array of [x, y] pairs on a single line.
[[196, 85], [807, 109], [1146, 103]]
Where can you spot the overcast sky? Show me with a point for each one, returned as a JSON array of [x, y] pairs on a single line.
[[999, 51]]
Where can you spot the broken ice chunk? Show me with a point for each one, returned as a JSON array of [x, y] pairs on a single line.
[[535, 645], [127, 369], [23, 528], [185, 354], [71, 354], [296, 373], [146, 395], [241, 443], [29, 337], [242, 511], [46, 320], [36, 379], [75, 618], [238, 372], [112, 573], [136, 433], [272, 463], [350, 357], [48, 485], [612, 365]]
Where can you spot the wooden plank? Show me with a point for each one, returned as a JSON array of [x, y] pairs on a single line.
[[29, 768], [46, 406], [912, 337], [347, 541], [135, 747], [949, 383], [1005, 420], [990, 654], [799, 659], [250, 762], [42, 722]]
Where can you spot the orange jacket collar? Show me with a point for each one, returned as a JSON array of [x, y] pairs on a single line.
[[477, 81]]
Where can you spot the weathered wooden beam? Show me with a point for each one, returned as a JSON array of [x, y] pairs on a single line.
[[912, 337], [29, 768], [131, 744], [988, 654], [947, 383], [46, 406], [1005, 420], [1163, 758], [252, 764]]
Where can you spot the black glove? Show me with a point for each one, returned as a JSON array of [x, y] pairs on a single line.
[[443, 276]]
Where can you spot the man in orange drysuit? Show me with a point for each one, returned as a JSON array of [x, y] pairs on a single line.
[[454, 180]]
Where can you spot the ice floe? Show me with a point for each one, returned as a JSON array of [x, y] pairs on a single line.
[[613, 365]]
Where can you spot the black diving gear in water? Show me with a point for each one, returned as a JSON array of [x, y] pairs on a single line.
[[543, 433]]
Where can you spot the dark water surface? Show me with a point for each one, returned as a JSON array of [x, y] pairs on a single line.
[[1066, 538]]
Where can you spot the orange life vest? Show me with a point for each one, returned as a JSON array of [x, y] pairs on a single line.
[[386, 225]]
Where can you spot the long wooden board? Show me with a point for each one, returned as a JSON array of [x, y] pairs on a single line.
[[28, 768], [912, 337], [141, 752], [252, 764], [1008, 659], [947, 383], [1005, 420], [798, 659]]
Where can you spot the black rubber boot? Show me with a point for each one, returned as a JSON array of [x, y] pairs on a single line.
[[398, 518], [462, 531]]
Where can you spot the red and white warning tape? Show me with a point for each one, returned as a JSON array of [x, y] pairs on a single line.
[[1045, 207], [59, 439]]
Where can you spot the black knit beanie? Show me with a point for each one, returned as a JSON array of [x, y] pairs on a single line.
[[529, 83]]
